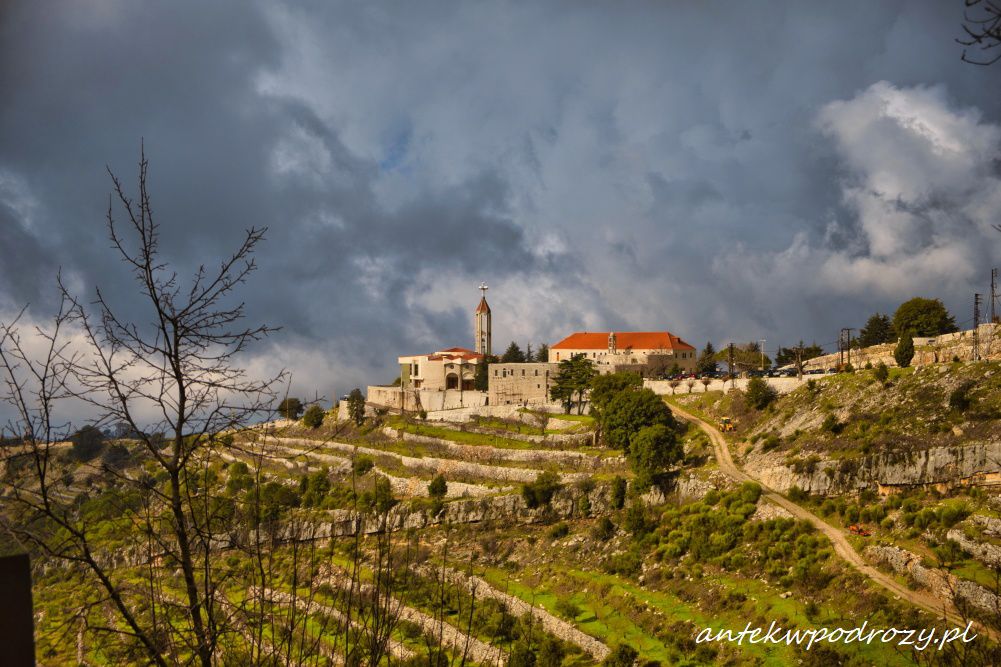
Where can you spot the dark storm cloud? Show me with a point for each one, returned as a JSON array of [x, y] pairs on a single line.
[[686, 165]]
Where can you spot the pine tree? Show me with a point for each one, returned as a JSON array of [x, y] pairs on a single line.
[[513, 355], [905, 350], [878, 329]]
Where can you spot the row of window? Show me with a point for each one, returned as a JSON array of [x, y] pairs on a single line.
[[505, 372]]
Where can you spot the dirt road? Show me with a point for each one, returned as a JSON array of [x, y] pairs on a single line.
[[842, 547]]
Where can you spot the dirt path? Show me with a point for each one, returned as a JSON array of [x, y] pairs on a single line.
[[842, 547]]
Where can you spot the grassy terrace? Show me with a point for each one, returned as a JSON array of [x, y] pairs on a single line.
[[659, 623]]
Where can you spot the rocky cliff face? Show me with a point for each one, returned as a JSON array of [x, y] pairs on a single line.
[[943, 585], [940, 466]]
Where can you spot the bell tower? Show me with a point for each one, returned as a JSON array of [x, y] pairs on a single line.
[[481, 323]]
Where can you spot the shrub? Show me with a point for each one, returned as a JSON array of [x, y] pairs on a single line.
[[562, 529], [831, 424], [540, 492], [438, 487], [618, 493], [313, 416], [362, 464], [567, 609], [623, 655], [881, 373], [959, 399], [798, 495], [771, 442], [760, 394], [603, 529]]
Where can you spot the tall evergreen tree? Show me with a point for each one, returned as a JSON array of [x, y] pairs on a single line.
[[904, 351], [572, 382], [529, 358], [706, 362], [543, 354], [878, 329], [513, 355]]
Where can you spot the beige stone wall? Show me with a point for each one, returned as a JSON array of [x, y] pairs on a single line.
[[520, 384], [430, 400], [942, 350], [684, 358]]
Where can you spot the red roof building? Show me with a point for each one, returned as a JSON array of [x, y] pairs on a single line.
[[623, 348]]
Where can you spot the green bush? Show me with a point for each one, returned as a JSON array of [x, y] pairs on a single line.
[[603, 530], [622, 655], [960, 399], [362, 464], [881, 373], [313, 416], [87, 443], [618, 493], [438, 487], [760, 394], [540, 492]]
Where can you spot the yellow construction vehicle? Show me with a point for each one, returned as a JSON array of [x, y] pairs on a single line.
[[726, 425]]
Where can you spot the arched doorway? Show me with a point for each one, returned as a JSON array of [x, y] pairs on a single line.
[[451, 381]]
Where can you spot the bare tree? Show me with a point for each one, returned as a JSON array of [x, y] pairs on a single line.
[[982, 25], [177, 385]]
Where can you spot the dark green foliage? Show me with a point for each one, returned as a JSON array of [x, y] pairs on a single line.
[[481, 377], [636, 520], [380, 499], [540, 492], [551, 653], [313, 416], [960, 399], [572, 382], [923, 317], [631, 411], [543, 353], [618, 493], [878, 329], [274, 500], [521, 655], [513, 355], [606, 387], [362, 464], [622, 655], [760, 394], [87, 443], [787, 355], [438, 487], [314, 488], [706, 362], [603, 529], [290, 408], [904, 351], [356, 406], [560, 530], [881, 373], [652, 450]]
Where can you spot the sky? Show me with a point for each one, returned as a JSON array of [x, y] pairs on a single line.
[[722, 170]]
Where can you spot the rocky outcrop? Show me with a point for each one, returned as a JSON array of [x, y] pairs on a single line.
[[939, 466], [944, 585], [986, 552]]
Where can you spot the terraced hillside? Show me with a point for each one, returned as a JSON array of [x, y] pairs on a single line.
[[537, 547]]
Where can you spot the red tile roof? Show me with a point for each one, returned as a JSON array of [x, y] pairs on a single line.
[[483, 307], [457, 349], [637, 340]]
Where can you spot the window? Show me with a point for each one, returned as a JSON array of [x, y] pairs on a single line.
[[536, 372], [495, 372], [522, 372]]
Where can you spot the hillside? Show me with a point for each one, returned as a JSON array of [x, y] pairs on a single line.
[[567, 570]]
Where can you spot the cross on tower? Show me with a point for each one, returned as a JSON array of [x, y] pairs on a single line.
[[483, 289]]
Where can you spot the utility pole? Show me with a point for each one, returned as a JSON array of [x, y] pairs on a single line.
[[994, 295], [733, 377], [799, 362], [976, 327], [762, 341]]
